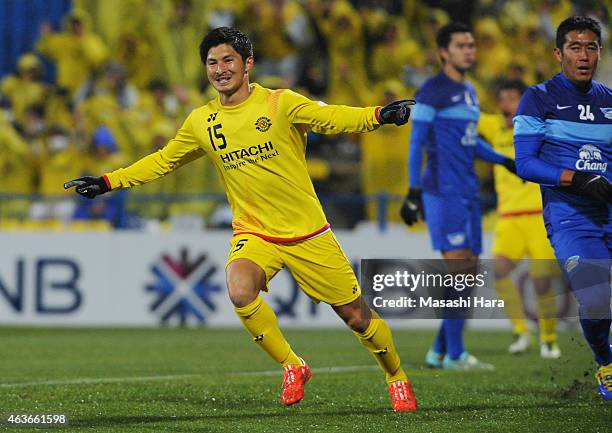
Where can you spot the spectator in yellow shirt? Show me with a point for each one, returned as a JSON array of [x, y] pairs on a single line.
[[282, 27], [384, 158], [490, 40], [395, 54], [178, 63], [18, 171], [76, 51], [61, 156], [342, 28], [26, 88]]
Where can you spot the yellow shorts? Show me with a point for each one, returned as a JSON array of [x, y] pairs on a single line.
[[520, 236], [319, 265]]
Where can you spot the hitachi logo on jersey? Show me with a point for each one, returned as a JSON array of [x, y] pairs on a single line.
[[245, 153], [590, 159]]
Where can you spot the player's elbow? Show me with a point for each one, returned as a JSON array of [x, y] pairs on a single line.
[[522, 167]]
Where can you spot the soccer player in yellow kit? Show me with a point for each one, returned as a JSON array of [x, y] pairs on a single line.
[[520, 233], [256, 137]]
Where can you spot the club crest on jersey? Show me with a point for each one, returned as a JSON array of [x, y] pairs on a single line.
[[263, 124], [607, 112], [590, 159]]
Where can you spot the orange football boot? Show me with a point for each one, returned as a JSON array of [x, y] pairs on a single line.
[[402, 397], [294, 379]]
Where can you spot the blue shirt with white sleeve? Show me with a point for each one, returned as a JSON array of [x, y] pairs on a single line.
[[444, 122], [559, 127]]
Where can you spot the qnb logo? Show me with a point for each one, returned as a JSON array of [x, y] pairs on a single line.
[[183, 289], [590, 159]]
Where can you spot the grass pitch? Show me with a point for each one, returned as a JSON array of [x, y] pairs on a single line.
[[201, 380]]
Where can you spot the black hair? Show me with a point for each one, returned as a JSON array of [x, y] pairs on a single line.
[[517, 85], [226, 35], [445, 34], [577, 22]]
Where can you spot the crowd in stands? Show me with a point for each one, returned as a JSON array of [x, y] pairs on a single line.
[[127, 72]]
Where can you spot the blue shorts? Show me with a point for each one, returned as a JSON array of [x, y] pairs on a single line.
[[584, 252], [455, 223]]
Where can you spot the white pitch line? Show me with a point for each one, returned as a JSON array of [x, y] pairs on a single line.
[[103, 380], [322, 370], [94, 380]]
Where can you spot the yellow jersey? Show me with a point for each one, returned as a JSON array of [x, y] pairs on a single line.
[[258, 148], [514, 196]]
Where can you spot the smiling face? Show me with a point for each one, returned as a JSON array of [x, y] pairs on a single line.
[[226, 70], [579, 56]]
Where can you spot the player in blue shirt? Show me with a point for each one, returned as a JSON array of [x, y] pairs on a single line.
[[444, 123], [563, 141]]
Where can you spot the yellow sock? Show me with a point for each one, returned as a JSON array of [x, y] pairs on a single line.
[[378, 340], [259, 319], [546, 307], [508, 292]]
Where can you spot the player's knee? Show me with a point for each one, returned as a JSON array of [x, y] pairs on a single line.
[[595, 309], [594, 301], [502, 267], [460, 261], [242, 289], [355, 320], [500, 273], [244, 281], [542, 286], [356, 315], [358, 324]]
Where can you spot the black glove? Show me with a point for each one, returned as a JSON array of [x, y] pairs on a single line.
[[591, 185], [397, 112], [510, 165], [88, 186], [412, 207]]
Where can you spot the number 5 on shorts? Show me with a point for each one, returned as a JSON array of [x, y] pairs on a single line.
[[239, 245]]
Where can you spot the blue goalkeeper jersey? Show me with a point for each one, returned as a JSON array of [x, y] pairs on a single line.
[[559, 127], [445, 121]]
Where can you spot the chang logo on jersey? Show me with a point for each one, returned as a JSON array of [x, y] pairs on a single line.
[[471, 135], [263, 124], [183, 288], [590, 159]]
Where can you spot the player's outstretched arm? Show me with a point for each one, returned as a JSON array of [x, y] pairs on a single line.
[[397, 112], [89, 186], [182, 149], [338, 119]]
